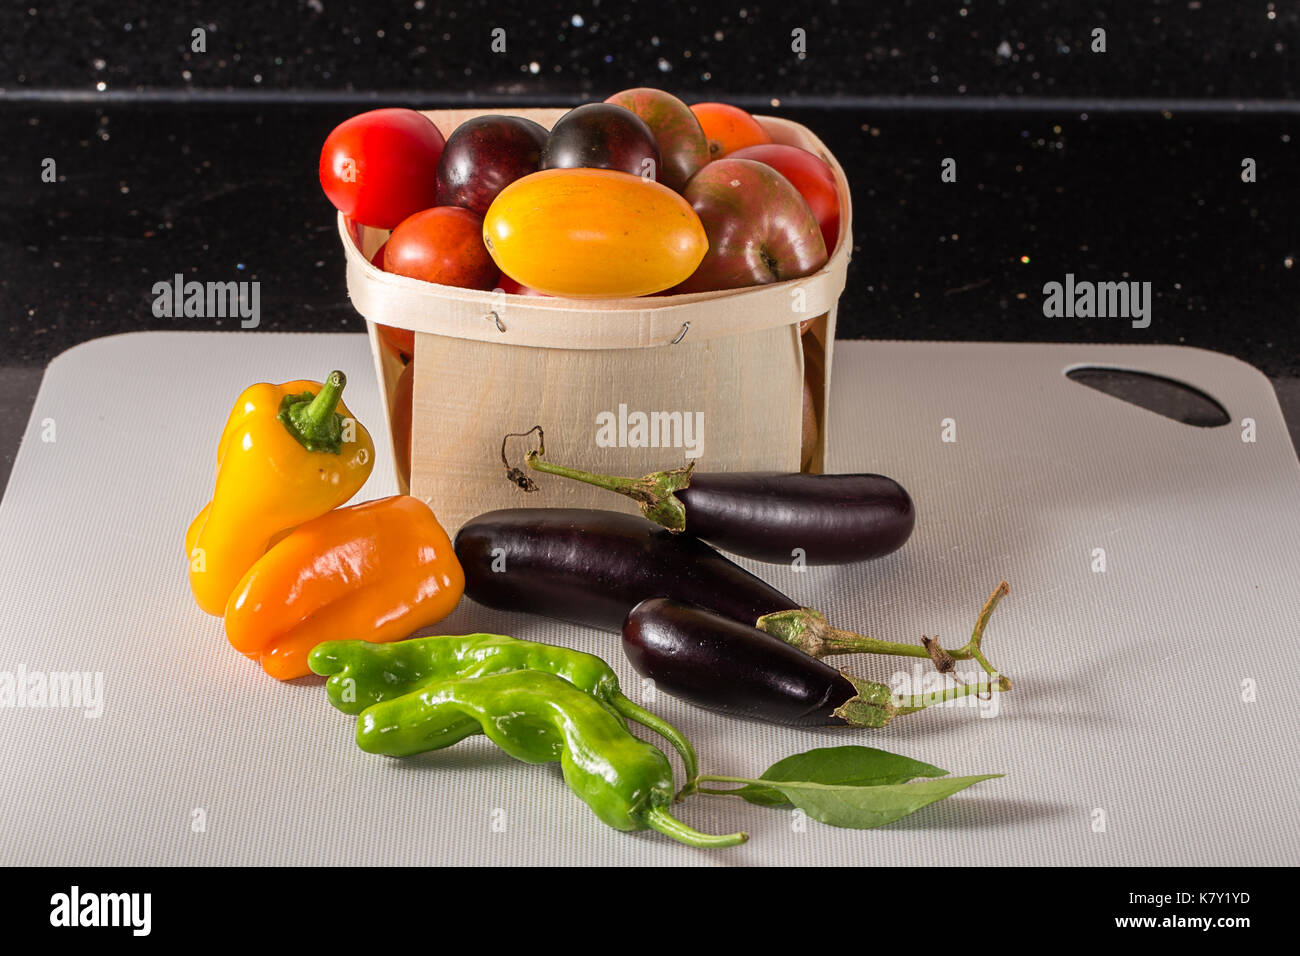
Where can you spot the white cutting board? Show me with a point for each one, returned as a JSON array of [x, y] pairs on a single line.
[[1125, 741]]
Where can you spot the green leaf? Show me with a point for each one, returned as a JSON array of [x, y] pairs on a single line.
[[862, 808], [837, 766]]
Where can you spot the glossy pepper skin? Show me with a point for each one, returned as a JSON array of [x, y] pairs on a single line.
[[384, 568], [540, 718], [361, 674], [288, 453]]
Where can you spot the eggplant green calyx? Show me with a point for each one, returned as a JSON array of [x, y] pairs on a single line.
[[876, 704]]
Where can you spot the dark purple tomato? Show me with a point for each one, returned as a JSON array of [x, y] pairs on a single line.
[[602, 136], [484, 156]]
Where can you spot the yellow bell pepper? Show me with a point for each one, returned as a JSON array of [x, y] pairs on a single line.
[[289, 453]]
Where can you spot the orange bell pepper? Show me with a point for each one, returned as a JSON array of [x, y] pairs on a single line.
[[377, 571]]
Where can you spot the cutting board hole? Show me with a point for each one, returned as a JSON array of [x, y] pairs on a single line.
[[1155, 393]]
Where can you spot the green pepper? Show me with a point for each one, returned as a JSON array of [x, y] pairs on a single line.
[[362, 674], [414, 723], [538, 717]]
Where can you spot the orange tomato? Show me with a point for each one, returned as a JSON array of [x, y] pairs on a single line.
[[593, 233], [728, 128], [401, 341], [401, 420]]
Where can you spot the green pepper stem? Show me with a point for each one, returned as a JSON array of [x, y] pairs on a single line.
[[666, 730], [326, 402], [660, 819], [809, 630], [314, 420]]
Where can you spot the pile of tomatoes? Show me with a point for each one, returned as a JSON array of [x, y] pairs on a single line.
[[638, 195]]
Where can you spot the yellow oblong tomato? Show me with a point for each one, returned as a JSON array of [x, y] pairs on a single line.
[[593, 233]]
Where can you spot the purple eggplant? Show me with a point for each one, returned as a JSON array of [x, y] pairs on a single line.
[[715, 662], [720, 664], [768, 516], [823, 519], [592, 567]]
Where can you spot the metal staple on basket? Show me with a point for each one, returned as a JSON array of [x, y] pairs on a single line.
[[497, 319], [686, 327]]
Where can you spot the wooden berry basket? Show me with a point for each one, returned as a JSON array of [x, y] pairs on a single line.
[[488, 363]]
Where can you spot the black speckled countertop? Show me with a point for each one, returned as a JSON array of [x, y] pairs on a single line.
[[229, 192], [1190, 49]]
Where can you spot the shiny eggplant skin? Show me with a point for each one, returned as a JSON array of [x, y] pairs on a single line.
[[832, 519], [720, 664], [592, 567]]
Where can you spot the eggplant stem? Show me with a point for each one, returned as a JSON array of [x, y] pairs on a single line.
[[911, 703], [517, 476], [655, 493], [809, 630]]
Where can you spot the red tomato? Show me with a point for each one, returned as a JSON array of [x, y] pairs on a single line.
[[380, 167], [443, 245], [809, 174]]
